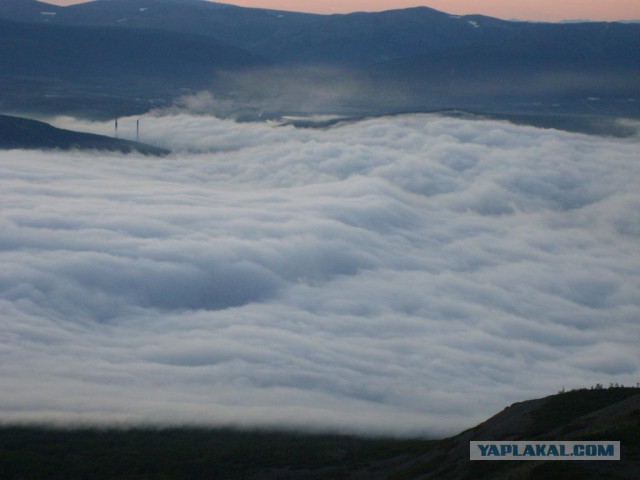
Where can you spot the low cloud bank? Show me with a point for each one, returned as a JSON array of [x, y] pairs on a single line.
[[406, 275]]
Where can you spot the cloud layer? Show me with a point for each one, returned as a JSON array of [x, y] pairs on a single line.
[[402, 275]]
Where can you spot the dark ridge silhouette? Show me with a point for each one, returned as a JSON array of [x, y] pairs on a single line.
[[30, 453], [22, 133]]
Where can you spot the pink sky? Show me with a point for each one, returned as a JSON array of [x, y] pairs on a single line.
[[549, 10]]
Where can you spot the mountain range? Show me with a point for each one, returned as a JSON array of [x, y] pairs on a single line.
[[113, 57]]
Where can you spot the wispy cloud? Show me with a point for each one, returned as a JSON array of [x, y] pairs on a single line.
[[406, 275]]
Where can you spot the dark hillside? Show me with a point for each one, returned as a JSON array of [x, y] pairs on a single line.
[[230, 24], [128, 56], [355, 39], [611, 414], [96, 55], [22, 133], [68, 68], [28, 10], [30, 453]]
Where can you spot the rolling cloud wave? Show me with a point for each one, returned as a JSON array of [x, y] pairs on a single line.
[[401, 275]]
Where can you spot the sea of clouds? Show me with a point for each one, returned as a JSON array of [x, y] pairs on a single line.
[[401, 275]]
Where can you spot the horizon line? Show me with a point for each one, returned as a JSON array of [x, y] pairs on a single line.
[[310, 11]]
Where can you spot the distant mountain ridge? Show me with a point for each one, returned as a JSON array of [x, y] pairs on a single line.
[[352, 39], [397, 60]]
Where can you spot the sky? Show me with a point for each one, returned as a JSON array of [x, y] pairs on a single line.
[[541, 10], [409, 275]]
